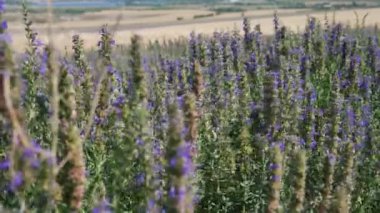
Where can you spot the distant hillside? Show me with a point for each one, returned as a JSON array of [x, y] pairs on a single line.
[[281, 3], [126, 2]]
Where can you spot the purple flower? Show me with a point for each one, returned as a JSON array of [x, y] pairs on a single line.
[[150, 105], [103, 207], [313, 97], [187, 166], [277, 127], [97, 120], [2, 6], [35, 163], [364, 83], [303, 66], [235, 48], [16, 181], [157, 168], [302, 142], [140, 179], [182, 194], [280, 144], [184, 132], [44, 61], [350, 117], [276, 178], [119, 102], [332, 158], [6, 37], [172, 192], [4, 165], [313, 145], [274, 166], [112, 42], [29, 153], [110, 69], [151, 204], [4, 25], [296, 51], [173, 162], [358, 146], [251, 65], [139, 141], [50, 159], [181, 101], [156, 148], [38, 43]]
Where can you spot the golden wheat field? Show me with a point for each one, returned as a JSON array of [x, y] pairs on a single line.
[[164, 24]]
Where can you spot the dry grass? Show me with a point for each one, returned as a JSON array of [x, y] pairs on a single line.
[[161, 24]]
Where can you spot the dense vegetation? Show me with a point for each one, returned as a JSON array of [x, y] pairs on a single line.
[[233, 122]]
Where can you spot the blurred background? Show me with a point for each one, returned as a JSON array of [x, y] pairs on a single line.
[[160, 19]]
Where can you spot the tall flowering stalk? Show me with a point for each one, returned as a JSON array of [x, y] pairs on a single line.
[[271, 101], [299, 180], [72, 177], [99, 115], [340, 201], [190, 123], [202, 50], [331, 144], [136, 138], [34, 100], [275, 187], [248, 36], [26, 161], [177, 158], [197, 86], [86, 86]]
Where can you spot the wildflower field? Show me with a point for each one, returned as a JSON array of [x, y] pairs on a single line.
[[232, 122]]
